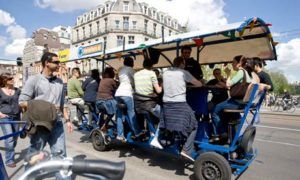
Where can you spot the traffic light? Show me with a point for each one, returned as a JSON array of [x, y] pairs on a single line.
[[19, 61]]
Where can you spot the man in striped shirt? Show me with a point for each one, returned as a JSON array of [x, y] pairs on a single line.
[[146, 84]]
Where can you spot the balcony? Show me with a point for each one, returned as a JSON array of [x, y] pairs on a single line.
[[113, 29]]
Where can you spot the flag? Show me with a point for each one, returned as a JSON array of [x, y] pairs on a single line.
[[198, 41]]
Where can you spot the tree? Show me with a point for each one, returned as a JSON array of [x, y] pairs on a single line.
[[280, 82]]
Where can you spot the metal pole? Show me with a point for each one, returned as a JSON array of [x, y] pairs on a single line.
[[163, 34], [177, 48], [124, 43]]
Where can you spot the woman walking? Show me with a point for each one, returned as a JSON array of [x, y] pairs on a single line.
[[9, 111]]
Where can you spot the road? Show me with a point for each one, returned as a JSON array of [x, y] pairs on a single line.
[[278, 142]]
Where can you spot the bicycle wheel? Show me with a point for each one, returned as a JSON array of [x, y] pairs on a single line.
[[275, 107], [291, 109]]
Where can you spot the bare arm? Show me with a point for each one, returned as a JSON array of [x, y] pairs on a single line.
[[158, 89], [196, 82]]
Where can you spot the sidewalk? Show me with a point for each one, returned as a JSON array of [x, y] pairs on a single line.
[[267, 110]]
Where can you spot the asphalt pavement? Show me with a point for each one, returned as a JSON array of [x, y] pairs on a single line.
[[277, 141]]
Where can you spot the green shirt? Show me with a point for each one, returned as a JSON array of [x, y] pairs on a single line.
[[74, 88], [238, 77], [144, 81]]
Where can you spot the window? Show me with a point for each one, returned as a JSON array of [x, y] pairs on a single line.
[[170, 32], [154, 29], [98, 26], [83, 32], [154, 14], [126, 6], [125, 23], [90, 29], [96, 39], [119, 40], [145, 10], [77, 34], [146, 39], [133, 24], [89, 42], [130, 39], [105, 24], [145, 25], [117, 24]]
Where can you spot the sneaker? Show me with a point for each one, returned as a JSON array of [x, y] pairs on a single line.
[[155, 143], [121, 138], [11, 165], [186, 155]]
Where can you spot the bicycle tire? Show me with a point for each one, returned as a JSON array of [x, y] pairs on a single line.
[[275, 107], [292, 109]]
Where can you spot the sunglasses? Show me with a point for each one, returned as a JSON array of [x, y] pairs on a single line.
[[55, 62], [10, 78]]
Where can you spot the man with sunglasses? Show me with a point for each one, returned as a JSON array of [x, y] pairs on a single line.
[[45, 86]]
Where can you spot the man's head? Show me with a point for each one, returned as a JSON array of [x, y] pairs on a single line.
[[179, 62], [258, 64], [50, 61], [128, 61], [76, 72], [186, 52], [217, 73], [147, 64]]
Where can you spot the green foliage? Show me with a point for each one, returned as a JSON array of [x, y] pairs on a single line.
[[280, 82]]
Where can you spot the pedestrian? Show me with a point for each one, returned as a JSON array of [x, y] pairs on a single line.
[[45, 86], [9, 112]]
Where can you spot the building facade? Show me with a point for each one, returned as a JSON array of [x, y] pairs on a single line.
[[41, 41], [122, 21]]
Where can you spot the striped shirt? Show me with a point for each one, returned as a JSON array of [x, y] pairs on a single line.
[[144, 81]]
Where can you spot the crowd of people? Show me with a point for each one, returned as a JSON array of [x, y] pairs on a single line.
[[164, 98]]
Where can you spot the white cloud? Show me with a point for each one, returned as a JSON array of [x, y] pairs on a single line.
[[5, 18], [67, 5], [288, 60], [289, 54], [201, 15], [16, 32], [16, 47], [2, 41]]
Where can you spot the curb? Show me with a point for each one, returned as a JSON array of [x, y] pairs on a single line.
[[278, 113]]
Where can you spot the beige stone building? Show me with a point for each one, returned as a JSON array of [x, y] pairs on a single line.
[[122, 20], [42, 40]]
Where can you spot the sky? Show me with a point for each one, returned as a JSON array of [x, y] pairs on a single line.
[[19, 18]]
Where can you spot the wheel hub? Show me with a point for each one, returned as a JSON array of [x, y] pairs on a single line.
[[210, 171], [98, 139]]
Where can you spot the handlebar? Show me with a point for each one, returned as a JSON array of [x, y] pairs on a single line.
[[103, 168], [111, 170]]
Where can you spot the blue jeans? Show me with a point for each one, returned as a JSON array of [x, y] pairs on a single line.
[[218, 117], [131, 118], [55, 139], [11, 142], [157, 111]]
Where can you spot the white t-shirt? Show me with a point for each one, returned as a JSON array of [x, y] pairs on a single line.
[[174, 83], [126, 81]]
